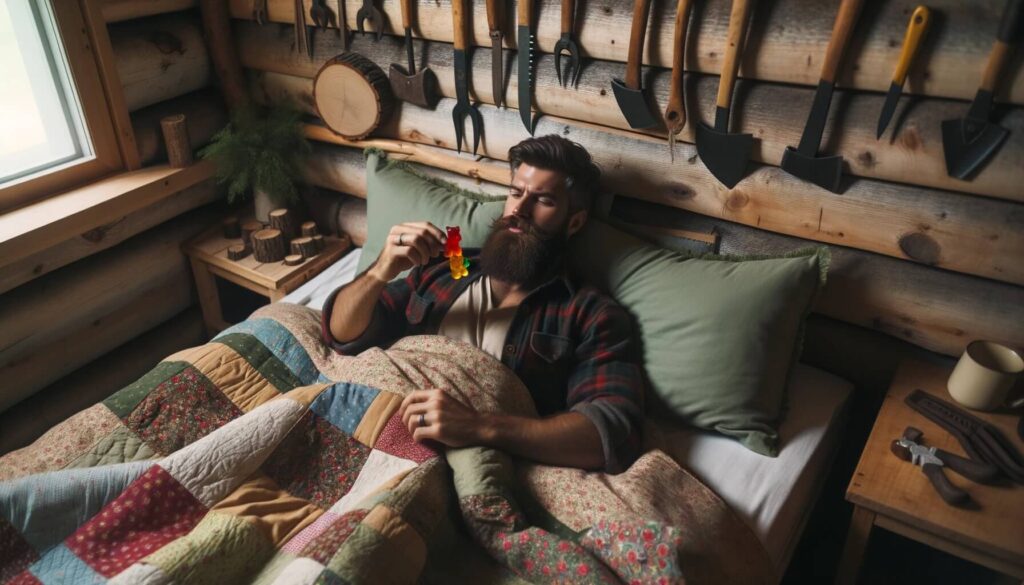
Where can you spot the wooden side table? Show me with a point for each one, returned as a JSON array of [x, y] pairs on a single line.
[[896, 495], [209, 258]]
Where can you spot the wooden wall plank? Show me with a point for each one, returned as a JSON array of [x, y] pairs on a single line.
[[786, 42], [773, 113], [160, 58], [105, 236], [118, 10]]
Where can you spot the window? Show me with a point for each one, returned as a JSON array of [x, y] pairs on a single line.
[[55, 128]]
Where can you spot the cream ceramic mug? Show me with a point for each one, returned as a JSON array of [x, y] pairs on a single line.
[[984, 375]]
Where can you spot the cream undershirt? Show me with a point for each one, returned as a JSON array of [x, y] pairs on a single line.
[[476, 319]]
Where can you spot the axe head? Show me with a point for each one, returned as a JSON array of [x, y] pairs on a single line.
[[725, 154], [419, 89], [633, 105], [968, 143], [824, 171]]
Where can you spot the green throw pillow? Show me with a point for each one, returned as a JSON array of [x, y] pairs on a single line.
[[720, 334]]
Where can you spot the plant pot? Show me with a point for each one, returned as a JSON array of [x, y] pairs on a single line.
[[263, 204]]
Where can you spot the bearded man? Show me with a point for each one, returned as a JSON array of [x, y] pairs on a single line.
[[574, 348]]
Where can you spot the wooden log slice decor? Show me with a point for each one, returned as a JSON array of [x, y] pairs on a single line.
[[284, 220], [352, 95], [237, 252], [304, 247], [232, 229], [176, 141], [248, 228], [293, 259], [309, 229], [318, 243], [268, 245]]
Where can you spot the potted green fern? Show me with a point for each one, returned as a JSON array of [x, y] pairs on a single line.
[[262, 152]]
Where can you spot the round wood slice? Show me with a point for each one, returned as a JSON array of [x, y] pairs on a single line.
[[304, 247], [237, 252], [293, 259], [284, 220], [309, 229], [318, 243], [352, 95], [268, 245]]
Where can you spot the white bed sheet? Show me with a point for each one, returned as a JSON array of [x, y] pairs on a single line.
[[773, 494]]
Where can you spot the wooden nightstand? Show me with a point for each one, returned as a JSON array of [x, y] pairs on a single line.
[[209, 258], [894, 494]]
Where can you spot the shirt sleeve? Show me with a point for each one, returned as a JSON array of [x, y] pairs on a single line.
[[607, 385], [387, 323]]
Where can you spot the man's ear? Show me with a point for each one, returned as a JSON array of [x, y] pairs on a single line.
[[577, 221]]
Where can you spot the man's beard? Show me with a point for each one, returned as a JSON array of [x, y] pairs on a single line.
[[525, 259]]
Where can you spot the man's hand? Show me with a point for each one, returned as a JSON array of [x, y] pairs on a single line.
[[446, 420], [408, 245]]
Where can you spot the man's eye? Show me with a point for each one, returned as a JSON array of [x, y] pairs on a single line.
[[546, 201], [515, 194]]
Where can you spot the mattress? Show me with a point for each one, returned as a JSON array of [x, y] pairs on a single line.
[[773, 495]]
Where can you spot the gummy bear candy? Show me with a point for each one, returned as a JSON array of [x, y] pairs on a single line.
[[453, 251]]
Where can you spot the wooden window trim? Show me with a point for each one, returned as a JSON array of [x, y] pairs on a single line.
[[93, 70]]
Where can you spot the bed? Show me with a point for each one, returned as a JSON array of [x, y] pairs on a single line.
[[773, 495]]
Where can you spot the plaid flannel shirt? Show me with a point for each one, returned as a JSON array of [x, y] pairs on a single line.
[[574, 348]]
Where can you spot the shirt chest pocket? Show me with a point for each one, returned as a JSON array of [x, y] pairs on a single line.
[[418, 310], [553, 349]]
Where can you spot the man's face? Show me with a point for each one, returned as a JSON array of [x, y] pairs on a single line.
[[529, 240]]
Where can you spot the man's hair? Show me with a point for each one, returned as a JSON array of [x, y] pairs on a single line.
[[554, 153]]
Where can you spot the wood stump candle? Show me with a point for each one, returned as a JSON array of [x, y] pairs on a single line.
[[309, 229], [237, 252], [248, 228], [293, 259], [318, 243], [304, 247], [179, 149], [284, 220], [268, 245]]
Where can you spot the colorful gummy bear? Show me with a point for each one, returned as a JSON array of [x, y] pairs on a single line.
[[453, 252]]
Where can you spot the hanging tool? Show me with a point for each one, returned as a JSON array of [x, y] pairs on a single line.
[[524, 44], [497, 60], [322, 15], [461, 62], [630, 94], [259, 11], [725, 153], [567, 44], [803, 161], [911, 41], [369, 12], [675, 112], [968, 142], [933, 460], [303, 37], [342, 25], [415, 88]]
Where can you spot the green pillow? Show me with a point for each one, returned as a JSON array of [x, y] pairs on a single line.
[[396, 193], [720, 334]]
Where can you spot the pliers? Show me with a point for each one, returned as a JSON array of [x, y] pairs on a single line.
[[932, 460]]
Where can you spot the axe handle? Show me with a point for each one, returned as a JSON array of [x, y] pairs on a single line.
[[675, 113], [842, 30], [492, 15], [458, 25], [641, 8], [1000, 52], [406, 13], [568, 11], [734, 44], [525, 12], [911, 41]]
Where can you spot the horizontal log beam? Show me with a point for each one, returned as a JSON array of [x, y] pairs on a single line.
[[205, 114], [911, 152], [118, 10], [935, 309], [29, 419], [160, 58], [106, 236], [786, 42]]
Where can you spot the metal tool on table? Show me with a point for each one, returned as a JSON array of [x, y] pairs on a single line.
[[524, 44], [259, 11], [629, 93], [726, 154], [968, 142], [981, 440], [416, 88], [933, 460], [803, 161], [368, 12], [566, 43], [303, 38], [461, 62], [911, 41], [675, 112], [497, 59]]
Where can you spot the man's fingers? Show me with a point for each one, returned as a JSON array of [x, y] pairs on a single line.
[[421, 434]]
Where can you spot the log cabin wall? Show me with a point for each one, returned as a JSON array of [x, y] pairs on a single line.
[[90, 314], [917, 255]]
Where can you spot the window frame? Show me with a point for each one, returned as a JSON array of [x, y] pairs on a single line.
[[81, 38]]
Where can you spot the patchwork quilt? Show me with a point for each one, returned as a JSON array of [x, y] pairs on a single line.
[[265, 457]]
